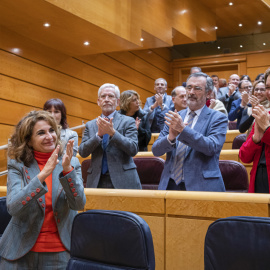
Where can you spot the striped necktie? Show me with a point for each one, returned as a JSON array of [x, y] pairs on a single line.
[[180, 155]]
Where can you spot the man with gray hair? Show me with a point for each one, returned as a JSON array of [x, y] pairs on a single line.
[[192, 140], [112, 141], [157, 105]]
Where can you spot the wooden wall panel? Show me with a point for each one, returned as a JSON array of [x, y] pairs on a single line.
[[258, 59], [251, 63], [33, 73]]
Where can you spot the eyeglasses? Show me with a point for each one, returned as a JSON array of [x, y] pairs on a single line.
[[259, 89], [109, 96], [247, 87], [195, 88]]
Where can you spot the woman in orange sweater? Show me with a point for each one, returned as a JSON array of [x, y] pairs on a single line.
[[44, 190]]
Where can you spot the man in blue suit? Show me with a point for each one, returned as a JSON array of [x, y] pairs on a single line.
[[239, 105], [157, 105], [192, 140]]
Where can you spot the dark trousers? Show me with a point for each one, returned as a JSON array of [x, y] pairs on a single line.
[[105, 181], [172, 185], [261, 180]]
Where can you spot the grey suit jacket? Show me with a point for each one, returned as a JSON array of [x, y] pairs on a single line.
[[120, 150], [26, 205], [204, 143], [68, 134]]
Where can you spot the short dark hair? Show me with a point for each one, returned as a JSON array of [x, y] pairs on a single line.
[[58, 105], [245, 76], [241, 82]]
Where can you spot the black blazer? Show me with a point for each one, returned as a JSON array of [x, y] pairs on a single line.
[[144, 132]]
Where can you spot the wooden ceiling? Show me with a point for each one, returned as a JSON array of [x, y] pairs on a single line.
[[118, 25]]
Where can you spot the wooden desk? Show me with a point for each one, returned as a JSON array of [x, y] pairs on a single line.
[[231, 134], [178, 219]]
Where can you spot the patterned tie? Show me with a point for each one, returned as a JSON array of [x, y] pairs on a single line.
[[104, 146], [180, 155]]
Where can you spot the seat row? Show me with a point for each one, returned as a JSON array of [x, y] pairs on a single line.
[[234, 173]]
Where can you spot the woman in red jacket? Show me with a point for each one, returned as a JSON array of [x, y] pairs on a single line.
[[256, 149]]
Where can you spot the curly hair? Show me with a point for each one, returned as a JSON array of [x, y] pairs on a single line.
[[18, 146], [126, 98], [58, 105]]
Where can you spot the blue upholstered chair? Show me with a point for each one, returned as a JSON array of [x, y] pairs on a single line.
[[4, 216], [104, 240], [237, 243]]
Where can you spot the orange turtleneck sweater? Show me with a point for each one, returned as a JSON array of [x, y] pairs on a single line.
[[48, 239]]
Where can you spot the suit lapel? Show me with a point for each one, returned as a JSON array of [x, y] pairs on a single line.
[[202, 120], [116, 120], [182, 113], [56, 186]]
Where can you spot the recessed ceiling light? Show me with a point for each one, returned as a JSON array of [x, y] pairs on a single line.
[[218, 47], [216, 27], [183, 12], [141, 39], [86, 43], [259, 22], [46, 25], [16, 50], [230, 4], [240, 24], [264, 44], [241, 46]]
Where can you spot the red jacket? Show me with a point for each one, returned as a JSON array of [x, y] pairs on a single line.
[[251, 151]]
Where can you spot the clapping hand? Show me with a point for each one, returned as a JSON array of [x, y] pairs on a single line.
[[137, 122], [68, 156], [105, 127], [50, 165]]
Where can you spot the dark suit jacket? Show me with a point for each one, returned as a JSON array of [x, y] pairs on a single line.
[[26, 205], [236, 111], [144, 132], [204, 143], [120, 150]]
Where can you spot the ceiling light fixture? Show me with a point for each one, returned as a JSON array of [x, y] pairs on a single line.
[[16, 50], [264, 44], [259, 22], [86, 43], [240, 24], [46, 25], [141, 39], [216, 27], [230, 4], [218, 47], [241, 46]]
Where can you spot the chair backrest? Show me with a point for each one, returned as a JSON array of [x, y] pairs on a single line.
[[4, 215], [104, 240], [149, 171], [238, 141], [84, 167], [238, 243], [234, 175], [232, 125]]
